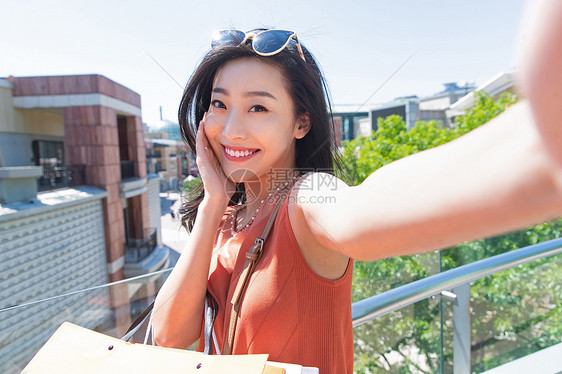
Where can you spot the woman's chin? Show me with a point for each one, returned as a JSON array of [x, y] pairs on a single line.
[[253, 190], [242, 175]]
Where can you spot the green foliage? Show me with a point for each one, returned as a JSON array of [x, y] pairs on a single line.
[[513, 313], [189, 186], [484, 109], [393, 140], [517, 311]]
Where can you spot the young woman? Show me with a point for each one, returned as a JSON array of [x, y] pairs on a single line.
[[256, 114]]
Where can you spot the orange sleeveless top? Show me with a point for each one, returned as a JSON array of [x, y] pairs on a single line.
[[288, 311]]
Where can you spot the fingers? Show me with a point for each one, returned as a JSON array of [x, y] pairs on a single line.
[[204, 140], [205, 152], [201, 140], [208, 163]]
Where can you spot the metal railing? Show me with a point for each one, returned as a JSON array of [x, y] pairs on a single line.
[[458, 280], [94, 308], [155, 154], [60, 176], [158, 167], [54, 177], [137, 250], [127, 169]]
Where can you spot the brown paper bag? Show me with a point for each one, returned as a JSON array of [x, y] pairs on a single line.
[[74, 349]]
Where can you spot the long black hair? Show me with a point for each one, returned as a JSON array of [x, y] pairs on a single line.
[[316, 151]]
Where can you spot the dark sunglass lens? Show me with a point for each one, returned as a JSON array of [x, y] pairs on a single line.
[[223, 38], [271, 41]]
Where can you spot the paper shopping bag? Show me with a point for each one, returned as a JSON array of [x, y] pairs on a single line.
[[74, 349]]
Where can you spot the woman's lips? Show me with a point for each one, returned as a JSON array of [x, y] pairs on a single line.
[[239, 154]]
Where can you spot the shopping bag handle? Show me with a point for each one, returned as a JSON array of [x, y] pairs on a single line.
[[210, 315], [135, 326]]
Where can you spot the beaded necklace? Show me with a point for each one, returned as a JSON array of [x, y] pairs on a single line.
[[233, 230]]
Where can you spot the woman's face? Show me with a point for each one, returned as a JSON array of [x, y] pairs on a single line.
[[251, 123]]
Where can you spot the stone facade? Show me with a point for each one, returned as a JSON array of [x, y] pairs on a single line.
[[51, 248]]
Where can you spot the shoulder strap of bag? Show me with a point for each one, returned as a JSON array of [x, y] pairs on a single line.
[[252, 257], [211, 308], [137, 323]]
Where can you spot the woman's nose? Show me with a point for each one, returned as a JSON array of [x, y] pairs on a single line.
[[234, 126]]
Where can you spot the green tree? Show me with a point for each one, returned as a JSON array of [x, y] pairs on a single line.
[[494, 298]]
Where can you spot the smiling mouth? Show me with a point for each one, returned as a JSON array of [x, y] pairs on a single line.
[[239, 153]]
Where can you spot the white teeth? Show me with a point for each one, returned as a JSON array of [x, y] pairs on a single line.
[[234, 153]]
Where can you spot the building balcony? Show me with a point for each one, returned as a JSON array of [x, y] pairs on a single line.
[[127, 169], [153, 155], [131, 187], [60, 176], [18, 183], [137, 250], [145, 255]]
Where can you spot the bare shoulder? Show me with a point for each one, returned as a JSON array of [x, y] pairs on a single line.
[[313, 194]]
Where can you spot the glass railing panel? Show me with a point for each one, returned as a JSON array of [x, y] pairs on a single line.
[[516, 312], [26, 326], [513, 313], [405, 341], [388, 343]]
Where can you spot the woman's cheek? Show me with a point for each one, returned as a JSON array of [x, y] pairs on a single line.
[[213, 123]]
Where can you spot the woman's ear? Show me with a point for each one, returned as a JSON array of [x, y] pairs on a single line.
[[303, 125]]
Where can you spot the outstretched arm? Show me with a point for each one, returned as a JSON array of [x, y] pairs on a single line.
[[502, 176], [497, 178], [542, 72]]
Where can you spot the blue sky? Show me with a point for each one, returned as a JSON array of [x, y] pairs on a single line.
[[359, 44]]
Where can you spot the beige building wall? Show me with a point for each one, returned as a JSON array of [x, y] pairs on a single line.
[[154, 210], [169, 161], [6, 106], [47, 121], [438, 103]]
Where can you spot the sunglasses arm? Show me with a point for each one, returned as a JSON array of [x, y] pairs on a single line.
[[300, 51]]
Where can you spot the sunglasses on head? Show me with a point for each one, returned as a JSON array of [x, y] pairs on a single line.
[[264, 43]]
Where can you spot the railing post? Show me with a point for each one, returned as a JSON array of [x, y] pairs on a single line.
[[461, 340]]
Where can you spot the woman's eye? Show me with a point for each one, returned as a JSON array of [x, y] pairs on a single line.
[[218, 104], [258, 108]]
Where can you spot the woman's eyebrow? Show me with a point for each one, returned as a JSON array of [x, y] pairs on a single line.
[[259, 93], [220, 90], [245, 94]]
